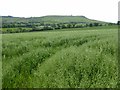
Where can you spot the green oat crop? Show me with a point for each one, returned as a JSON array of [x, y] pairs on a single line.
[[60, 59]]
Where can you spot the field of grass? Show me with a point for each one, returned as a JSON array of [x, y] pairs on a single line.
[[61, 59]]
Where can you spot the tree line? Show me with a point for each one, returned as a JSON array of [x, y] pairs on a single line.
[[38, 26]]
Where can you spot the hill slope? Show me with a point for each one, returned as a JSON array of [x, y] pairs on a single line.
[[50, 19]]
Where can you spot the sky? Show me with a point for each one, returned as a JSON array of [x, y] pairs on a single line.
[[103, 10]]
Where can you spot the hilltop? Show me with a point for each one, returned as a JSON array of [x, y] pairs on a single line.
[[50, 19]]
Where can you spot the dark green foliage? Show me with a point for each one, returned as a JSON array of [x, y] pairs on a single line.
[[118, 23], [96, 24], [91, 25]]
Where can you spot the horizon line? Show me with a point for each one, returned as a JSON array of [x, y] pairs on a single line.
[[54, 15]]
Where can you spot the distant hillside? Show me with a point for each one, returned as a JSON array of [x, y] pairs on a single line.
[[12, 24], [50, 19]]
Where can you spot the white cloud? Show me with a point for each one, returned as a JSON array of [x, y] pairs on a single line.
[[104, 10]]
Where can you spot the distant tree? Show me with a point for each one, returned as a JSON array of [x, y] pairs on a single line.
[[90, 25], [100, 25], [118, 23], [48, 28], [96, 24], [39, 28], [68, 25], [78, 26], [86, 25], [110, 24]]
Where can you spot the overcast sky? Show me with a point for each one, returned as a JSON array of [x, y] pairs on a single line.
[[104, 10]]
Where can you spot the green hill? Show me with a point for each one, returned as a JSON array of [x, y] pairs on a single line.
[[12, 24], [50, 19]]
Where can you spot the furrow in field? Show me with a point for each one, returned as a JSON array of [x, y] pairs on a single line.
[[29, 61], [78, 59], [74, 66]]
